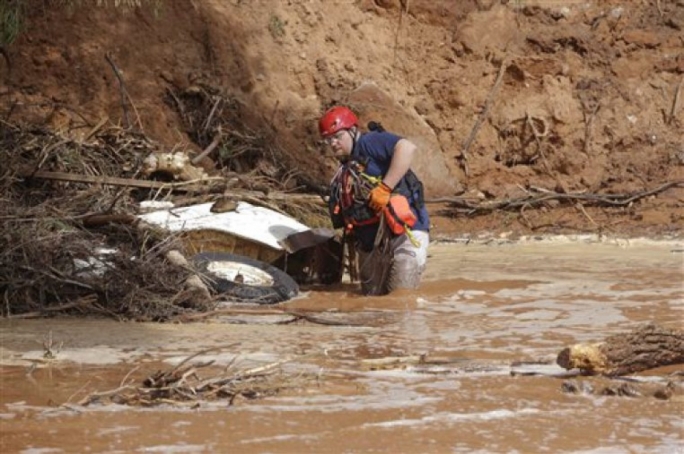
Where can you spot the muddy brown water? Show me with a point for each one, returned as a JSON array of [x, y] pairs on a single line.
[[482, 310]]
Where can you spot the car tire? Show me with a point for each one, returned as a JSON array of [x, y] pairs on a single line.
[[245, 279]]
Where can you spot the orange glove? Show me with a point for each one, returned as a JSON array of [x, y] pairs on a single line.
[[379, 197]]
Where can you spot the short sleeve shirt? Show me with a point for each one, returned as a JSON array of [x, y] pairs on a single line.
[[375, 150]]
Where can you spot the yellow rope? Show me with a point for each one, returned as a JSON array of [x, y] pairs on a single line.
[[412, 237]]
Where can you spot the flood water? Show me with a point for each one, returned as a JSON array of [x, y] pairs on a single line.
[[481, 311]]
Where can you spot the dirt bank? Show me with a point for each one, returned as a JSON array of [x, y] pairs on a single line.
[[504, 98]]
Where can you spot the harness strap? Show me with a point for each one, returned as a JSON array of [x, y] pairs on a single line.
[[412, 237]]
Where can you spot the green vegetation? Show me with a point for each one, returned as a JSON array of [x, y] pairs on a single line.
[[276, 26], [10, 21], [115, 3], [12, 12]]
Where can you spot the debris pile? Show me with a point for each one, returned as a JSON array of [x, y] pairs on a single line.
[[50, 261], [182, 385], [71, 242]]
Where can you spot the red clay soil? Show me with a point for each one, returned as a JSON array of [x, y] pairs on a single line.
[[504, 98]]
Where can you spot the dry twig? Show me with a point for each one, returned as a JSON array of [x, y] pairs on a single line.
[[611, 200], [483, 115], [182, 384], [124, 93], [675, 102]]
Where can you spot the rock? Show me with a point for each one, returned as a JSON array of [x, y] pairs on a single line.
[[642, 38], [488, 31], [430, 164], [577, 387]]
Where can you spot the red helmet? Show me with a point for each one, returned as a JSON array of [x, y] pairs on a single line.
[[336, 119]]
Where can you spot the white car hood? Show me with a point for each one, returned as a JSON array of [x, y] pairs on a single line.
[[247, 221]]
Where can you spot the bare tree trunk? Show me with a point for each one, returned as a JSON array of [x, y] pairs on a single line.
[[647, 347]]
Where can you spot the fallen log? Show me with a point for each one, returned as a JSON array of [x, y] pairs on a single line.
[[647, 347], [114, 181], [202, 185]]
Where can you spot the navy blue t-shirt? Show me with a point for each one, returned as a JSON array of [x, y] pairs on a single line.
[[375, 150]]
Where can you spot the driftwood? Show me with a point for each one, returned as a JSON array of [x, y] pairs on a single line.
[[85, 303], [647, 347], [416, 361], [112, 181], [193, 283], [662, 389], [214, 143], [204, 185], [365, 318], [183, 386], [543, 196], [178, 165]]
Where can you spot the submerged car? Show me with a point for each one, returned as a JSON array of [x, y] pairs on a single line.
[[252, 253]]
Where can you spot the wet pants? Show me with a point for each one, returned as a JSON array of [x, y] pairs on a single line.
[[400, 265]]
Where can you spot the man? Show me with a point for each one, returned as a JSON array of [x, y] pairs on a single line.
[[365, 198]]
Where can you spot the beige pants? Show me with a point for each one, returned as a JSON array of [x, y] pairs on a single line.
[[399, 265]]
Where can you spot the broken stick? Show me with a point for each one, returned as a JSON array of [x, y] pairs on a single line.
[[483, 115], [675, 102]]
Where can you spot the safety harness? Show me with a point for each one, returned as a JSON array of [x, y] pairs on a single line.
[[348, 197], [349, 208]]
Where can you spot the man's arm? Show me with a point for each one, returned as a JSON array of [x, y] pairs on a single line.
[[401, 162]]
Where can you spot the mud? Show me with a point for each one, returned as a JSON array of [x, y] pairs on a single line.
[[587, 101], [482, 311], [587, 104]]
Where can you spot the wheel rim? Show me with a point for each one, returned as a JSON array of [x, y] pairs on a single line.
[[231, 271]]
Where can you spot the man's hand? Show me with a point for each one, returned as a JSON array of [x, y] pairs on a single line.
[[379, 197]]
